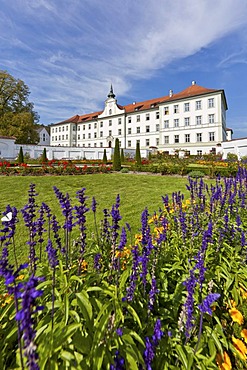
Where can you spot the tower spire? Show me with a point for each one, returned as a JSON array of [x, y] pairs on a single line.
[[111, 93]]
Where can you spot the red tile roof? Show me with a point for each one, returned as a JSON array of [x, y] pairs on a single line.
[[191, 91], [8, 137]]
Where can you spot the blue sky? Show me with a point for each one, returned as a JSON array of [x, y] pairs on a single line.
[[68, 52]]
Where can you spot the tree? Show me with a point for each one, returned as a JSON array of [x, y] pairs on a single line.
[[17, 117], [116, 157], [104, 157], [138, 155], [44, 158], [20, 159], [122, 156]]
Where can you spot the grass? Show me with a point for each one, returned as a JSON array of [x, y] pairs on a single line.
[[136, 193]]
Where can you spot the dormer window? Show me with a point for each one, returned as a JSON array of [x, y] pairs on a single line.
[[110, 111]]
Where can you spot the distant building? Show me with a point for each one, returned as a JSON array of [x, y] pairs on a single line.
[[44, 136], [193, 120]]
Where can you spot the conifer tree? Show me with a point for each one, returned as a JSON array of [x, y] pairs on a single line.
[[122, 156], [20, 156], [116, 157], [104, 157], [44, 158], [138, 155]]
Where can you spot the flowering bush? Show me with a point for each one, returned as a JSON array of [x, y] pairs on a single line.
[[174, 296]]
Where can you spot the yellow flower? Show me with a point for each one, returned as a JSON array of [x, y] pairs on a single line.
[[240, 348], [153, 219], [236, 316], [138, 238], [6, 299], [20, 277], [225, 362], [84, 266], [244, 335], [159, 230], [244, 293]]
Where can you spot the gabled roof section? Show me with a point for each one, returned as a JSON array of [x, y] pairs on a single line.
[[192, 91]]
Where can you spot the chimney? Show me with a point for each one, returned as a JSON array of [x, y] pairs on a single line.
[[134, 103], [170, 93], [193, 82]]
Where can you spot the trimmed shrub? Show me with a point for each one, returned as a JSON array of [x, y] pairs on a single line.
[[116, 157]]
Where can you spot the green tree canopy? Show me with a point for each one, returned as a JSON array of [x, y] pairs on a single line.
[[17, 117]]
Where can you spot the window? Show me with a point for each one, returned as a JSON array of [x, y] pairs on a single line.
[[138, 130], [101, 124], [147, 116], [129, 143], [60, 128], [110, 133], [95, 124], [110, 122], [147, 128], [83, 145], [83, 127], [62, 137], [63, 128], [89, 145], [186, 107], [101, 144], [56, 138], [56, 129], [166, 139], [78, 137], [211, 118], [199, 152], [110, 111], [67, 136], [198, 120], [137, 142], [157, 127], [166, 111], [187, 138], [89, 135], [157, 115], [43, 137], [129, 130], [119, 144], [119, 121], [95, 135], [67, 127], [101, 134], [147, 142], [129, 119], [175, 107], [120, 132], [198, 104], [166, 124], [176, 122], [176, 138], [138, 118], [211, 136], [74, 128], [95, 145], [187, 121], [157, 141], [211, 103], [83, 136], [89, 126], [199, 137], [52, 129], [78, 128]]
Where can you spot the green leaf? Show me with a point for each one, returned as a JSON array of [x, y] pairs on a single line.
[[134, 314], [182, 355]]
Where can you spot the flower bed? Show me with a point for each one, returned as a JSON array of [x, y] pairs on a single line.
[[172, 297]]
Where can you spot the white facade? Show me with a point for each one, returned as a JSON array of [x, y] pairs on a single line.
[[44, 137], [193, 120]]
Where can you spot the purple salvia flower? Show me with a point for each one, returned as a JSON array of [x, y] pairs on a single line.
[[94, 204], [55, 228], [152, 294], [97, 265], [190, 284], [123, 239], [204, 307], [106, 226], [118, 362], [119, 332], [115, 226], [52, 255], [25, 316], [151, 344], [81, 211], [66, 207], [48, 215]]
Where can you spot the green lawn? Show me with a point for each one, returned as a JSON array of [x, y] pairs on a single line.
[[137, 191]]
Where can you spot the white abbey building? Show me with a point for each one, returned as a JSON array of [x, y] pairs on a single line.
[[193, 120]]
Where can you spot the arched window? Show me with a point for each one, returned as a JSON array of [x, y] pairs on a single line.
[[110, 111]]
